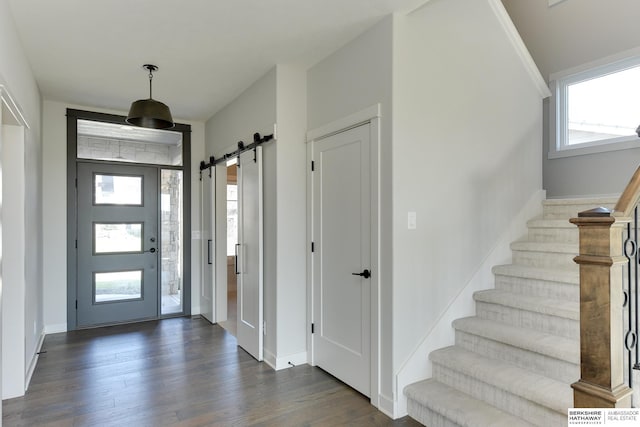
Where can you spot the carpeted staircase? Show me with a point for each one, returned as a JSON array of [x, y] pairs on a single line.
[[513, 363]]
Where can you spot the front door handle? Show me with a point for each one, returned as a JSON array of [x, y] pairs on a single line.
[[365, 273], [152, 250]]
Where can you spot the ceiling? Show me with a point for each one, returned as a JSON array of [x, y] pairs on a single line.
[[91, 53]]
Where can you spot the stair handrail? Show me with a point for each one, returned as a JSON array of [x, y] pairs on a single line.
[[629, 198], [601, 260]]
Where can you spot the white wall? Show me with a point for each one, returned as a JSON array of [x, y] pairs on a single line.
[[358, 76], [572, 33], [54, 184], [16, 76], [1, 278], [55, 219], [13, 261], [467, 135], [291, 297], [279, 97]]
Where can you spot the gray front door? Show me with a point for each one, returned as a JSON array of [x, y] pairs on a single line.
[[117, 243]]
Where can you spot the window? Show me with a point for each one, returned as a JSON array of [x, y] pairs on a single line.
[[597, 109]]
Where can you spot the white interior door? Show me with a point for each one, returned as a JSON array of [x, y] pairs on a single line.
[[342, 257], [249, 268], [207, 300]]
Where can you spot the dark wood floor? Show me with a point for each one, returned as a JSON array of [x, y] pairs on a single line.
[[182, 372]]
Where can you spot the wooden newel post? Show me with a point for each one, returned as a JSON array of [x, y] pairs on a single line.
[[601, 261]]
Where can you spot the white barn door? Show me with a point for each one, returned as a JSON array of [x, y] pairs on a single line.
[[250, 253], [208, 215]]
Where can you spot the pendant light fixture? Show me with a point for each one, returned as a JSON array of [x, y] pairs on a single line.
[[149, 113]]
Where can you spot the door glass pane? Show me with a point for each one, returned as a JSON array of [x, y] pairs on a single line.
[[117, 190], [115, 238], [172, 238], [117, 286]]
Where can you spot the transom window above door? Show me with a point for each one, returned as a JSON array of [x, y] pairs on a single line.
[[120, 143]]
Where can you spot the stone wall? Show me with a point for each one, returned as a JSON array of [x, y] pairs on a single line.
[[121, 150]]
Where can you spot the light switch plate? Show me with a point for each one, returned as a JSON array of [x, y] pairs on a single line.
[[412, 221]]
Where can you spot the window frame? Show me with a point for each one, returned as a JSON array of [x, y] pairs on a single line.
[[558, 128]]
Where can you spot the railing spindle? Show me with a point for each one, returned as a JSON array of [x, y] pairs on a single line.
[[635, 297]]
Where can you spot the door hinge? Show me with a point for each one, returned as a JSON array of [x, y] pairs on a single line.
[[313, 166], [313, 247], [313, 328], [76, 182], [76, 243], [76, 304]]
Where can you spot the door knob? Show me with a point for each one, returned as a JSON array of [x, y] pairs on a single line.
[[365, 273]]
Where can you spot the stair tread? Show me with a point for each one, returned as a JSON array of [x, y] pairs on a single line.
[[448, 402], [527, 339], [547, 247], [528, 272], [542, 390], [553, 307]]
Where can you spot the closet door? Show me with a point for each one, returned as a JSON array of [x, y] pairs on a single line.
[[250, 253]]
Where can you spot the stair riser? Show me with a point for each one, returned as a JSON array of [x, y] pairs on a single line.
[[545, 365], [527, 319], [556, 261], [538, 288], [553, 235], [426, 416], [566, 211], [501, 399]]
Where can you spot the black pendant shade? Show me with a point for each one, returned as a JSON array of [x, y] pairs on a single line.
[[149, 113]]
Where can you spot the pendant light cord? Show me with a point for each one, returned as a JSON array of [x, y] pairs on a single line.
[[150, 86]]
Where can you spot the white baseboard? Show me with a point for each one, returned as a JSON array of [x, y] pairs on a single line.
[[284, 362], [386, 405], [270, 359], [34, 361], [54, 329]]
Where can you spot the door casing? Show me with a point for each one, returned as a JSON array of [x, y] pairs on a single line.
[[372, 116], [73, 116]]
